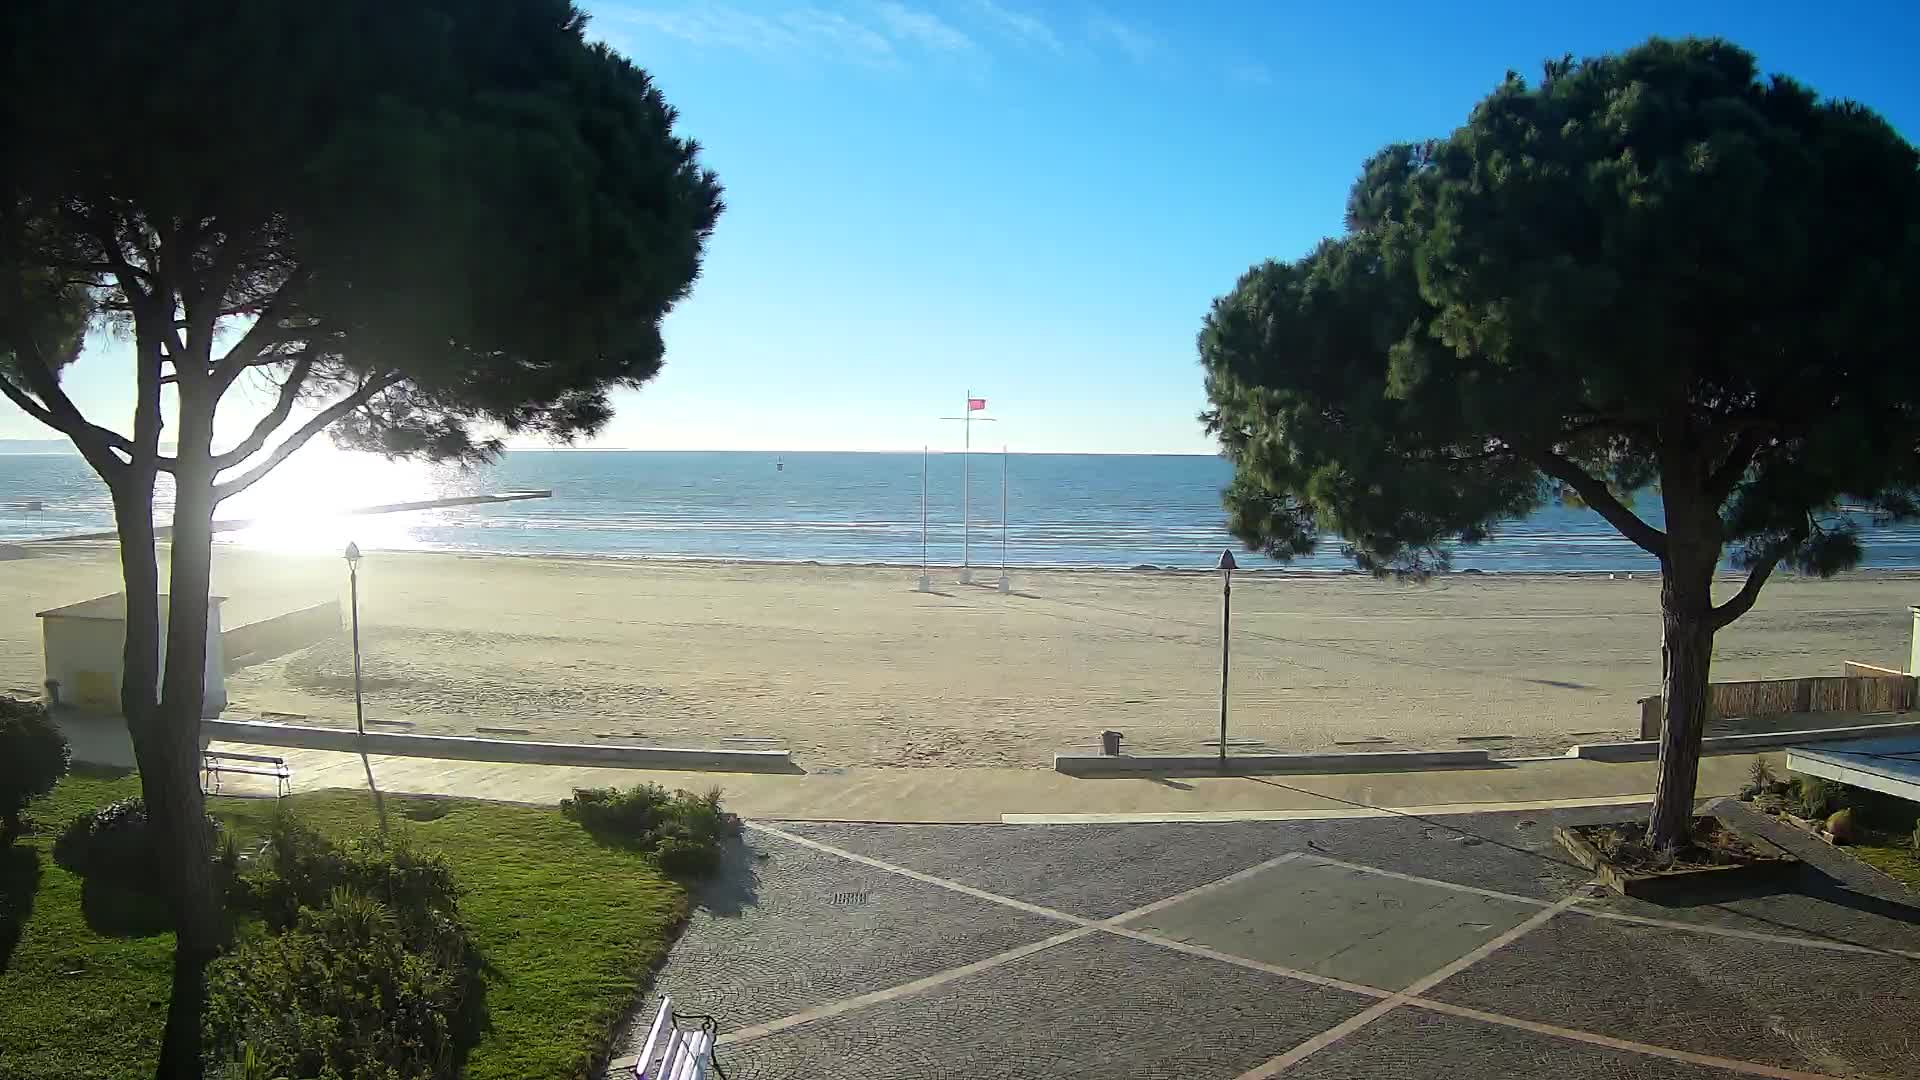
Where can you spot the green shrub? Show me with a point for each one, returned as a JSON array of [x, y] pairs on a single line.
[[113, 843], [304, 883], [33, 758], [1815, 798], [348, 991], [683, 832]]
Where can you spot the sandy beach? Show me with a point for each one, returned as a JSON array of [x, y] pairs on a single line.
[[850, 666]]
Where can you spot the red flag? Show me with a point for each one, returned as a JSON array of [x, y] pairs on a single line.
[[975, 404]]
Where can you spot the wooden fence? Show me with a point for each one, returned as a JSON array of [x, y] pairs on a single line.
[[1862, 693]]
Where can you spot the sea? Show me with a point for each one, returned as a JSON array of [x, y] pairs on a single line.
[[1113, 511]]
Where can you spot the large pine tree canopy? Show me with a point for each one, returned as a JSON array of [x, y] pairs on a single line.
[[440, 220], [1654, 267]]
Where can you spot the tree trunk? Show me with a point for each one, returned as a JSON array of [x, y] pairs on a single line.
[[175, 805], [1686, 610]]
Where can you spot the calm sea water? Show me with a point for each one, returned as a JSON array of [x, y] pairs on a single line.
[[1062, 510]]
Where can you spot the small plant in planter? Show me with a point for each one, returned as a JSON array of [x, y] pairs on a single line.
[[1622, 859]]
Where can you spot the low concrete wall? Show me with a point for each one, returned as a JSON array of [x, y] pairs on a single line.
[[282, 634], [1648, 749], [1095, 765], [460, 748]]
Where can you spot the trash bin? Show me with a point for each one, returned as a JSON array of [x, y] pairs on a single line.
[[1110, 743]]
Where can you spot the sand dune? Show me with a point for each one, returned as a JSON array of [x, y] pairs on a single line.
[[850, 666]]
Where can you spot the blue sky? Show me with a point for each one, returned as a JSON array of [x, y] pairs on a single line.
[[1037, 201]]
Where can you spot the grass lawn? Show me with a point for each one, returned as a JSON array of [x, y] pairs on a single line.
[[1892, 855], [573, 927]]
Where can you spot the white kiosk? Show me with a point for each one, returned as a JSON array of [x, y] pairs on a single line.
[[84, 644]]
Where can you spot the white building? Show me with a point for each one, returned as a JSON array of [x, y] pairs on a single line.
[[84, 644]]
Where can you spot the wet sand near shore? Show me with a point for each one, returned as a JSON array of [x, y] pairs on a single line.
[[849, 666]]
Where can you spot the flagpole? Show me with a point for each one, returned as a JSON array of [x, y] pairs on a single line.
[[926, 582], [966, 492], [1005, 584]]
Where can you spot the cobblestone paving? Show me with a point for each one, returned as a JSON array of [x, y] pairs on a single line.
[[791, 933], [794, 928], [1096, 1007], [1796, 1008], [1413, 1044]]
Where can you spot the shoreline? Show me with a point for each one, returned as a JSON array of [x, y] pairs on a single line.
[[1894, 573]]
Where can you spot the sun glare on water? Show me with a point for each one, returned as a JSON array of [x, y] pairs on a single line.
[[305, 505]]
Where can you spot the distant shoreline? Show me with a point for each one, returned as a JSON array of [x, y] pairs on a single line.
[[988, 572]]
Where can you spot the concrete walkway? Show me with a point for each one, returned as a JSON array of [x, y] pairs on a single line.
[[1395, 948], [1022, 795], [1015, 796]]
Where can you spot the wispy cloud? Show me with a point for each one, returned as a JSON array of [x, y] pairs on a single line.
[[1135, 41], [865, 34], [1019, 25], [923, 28]]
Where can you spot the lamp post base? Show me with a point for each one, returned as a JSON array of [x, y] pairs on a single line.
[[1006, 584], [926, 584], [966, 575]]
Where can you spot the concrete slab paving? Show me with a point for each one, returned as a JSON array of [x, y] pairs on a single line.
[[1413, 1044], [1840, 1014], [1340, 922], [1096, 1007]]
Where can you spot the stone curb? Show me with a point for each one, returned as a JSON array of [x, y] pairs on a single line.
[[1097, 765], [463, 748]]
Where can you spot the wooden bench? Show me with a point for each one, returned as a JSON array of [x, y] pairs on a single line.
[[216, 763], [673, 1053]]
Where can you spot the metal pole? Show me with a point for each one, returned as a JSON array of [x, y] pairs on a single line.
[[966, 492], [359, 711], [926, 581], [1226, 614], [1005, 584]]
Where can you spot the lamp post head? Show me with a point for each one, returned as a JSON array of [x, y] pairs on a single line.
[[1226, 561], [353, 555]]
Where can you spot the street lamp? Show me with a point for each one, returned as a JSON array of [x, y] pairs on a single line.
[[1226, 567], [353, 585]]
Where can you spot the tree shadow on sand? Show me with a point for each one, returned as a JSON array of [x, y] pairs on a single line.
[[19, 880]]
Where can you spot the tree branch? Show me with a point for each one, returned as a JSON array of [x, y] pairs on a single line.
[[1721, 481], [1602, 500], [270, 423], [304, 434], [265, 331], [1742, 601]]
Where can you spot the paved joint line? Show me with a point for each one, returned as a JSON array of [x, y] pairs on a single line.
[[1749, 1068], [928, 879], [1381, 1008], [1252, 965], [1744, 935], [1230, 879], [940, 978], [1580, 909]]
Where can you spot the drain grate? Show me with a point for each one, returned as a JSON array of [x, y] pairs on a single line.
[[851, 899]]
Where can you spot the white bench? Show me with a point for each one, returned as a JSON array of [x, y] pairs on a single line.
[[216, 763], [671, 1053]]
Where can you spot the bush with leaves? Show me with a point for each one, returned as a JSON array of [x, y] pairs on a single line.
[[348, 991], [406, 997], [115, 843], [683, 832], [33, 758]]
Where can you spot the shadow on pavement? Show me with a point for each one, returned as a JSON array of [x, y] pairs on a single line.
[[735, 886]]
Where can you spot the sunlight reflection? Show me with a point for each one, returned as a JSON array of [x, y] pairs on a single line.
[[300, 506]]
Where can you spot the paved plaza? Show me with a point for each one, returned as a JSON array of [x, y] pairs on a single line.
[[1382, 948]]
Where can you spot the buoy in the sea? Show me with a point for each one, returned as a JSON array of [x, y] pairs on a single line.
[[780, 465]]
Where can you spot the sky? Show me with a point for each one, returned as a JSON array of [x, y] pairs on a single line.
[[1036, 202]]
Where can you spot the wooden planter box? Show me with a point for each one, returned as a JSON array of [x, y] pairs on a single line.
[[1772, 864]]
